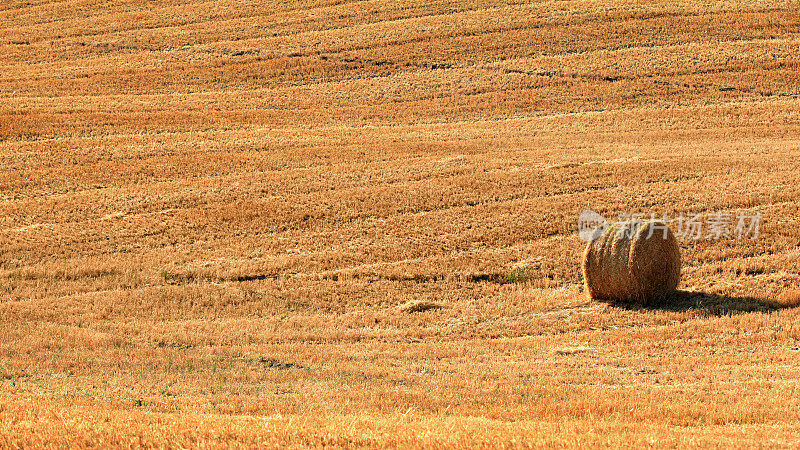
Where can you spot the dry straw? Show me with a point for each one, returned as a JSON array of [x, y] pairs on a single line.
[[789, 298], [633, 261], [418, 306]]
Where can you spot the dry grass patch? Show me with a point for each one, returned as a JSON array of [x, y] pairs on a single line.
[[210, 212], [789, 298], [413, 306]]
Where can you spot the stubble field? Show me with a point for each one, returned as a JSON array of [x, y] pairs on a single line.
[[211, 211]]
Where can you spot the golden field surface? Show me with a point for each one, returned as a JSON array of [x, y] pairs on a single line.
[[211, 212]]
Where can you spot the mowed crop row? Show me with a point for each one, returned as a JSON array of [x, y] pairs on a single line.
[[209, 213]]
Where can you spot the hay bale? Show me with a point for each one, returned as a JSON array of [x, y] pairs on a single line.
[[628, 263]]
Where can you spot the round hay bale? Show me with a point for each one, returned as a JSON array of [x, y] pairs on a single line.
[[632, 261]]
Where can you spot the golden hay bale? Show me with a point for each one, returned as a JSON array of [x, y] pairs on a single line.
[[629, 263]]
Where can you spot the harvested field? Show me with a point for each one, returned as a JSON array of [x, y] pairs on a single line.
[[212, 212]]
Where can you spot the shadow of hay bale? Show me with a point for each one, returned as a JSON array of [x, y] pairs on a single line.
[[707, 303]]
